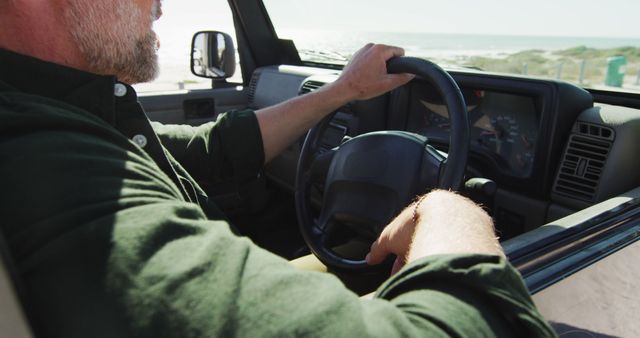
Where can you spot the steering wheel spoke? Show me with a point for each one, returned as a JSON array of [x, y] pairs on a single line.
[[434, 165], [320, 166]]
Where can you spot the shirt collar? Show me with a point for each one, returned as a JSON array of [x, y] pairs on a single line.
[[96, 94]]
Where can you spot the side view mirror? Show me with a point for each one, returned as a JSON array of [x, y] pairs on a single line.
[[213, 55]]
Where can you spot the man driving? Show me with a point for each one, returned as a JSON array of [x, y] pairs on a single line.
[[111, 236]]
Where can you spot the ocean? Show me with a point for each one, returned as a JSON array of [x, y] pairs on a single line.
[[447, 45]]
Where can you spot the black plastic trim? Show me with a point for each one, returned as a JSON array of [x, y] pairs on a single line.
[[259, 37], [549, 260], [630, 100]]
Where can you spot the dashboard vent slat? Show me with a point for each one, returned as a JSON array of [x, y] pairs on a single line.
[[583, 161], [595, 131], [310, 86]]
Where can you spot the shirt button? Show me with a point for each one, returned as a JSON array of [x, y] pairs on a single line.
[[120, 90], [140, 140]]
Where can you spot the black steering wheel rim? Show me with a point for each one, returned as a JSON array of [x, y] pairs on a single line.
[[450, 178]]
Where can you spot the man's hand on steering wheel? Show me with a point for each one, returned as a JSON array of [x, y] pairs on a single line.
[[395, 239], [366, 76], [440, 222]]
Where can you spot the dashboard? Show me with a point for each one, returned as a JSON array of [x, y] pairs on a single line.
[[518, 125], [543, 142], [503, 126]]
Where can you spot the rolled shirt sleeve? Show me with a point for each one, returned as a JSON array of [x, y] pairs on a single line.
[[466, 295], [229, 148]]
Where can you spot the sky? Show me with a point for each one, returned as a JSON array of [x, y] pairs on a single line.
[[611, 18], [590, 18]]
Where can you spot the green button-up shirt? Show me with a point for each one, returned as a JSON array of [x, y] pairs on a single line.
[[112, 239]]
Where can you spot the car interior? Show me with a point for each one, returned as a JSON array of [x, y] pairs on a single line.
[[554, 164]]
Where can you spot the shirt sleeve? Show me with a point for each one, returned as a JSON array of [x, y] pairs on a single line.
[[226, 286], [462, 289], [106, 247], [229, 148]]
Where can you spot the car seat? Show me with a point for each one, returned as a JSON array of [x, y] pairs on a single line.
[[13, 321]]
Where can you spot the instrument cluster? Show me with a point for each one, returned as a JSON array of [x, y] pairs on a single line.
[[503, 126]]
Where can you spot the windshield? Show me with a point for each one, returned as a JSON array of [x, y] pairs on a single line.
[[593, 44]]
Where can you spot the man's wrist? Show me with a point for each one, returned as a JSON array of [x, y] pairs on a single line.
[[342, 91], [448, 223], [416, 209]]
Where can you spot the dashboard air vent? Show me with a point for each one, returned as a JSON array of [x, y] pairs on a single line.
[[252, 87], [310, 86], [594, 130], [583, 162]]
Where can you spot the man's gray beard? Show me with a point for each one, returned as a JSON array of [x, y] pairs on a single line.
[[105, 32]]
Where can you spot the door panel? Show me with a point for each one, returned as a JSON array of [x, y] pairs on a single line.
[[599, 301], [193, 107]]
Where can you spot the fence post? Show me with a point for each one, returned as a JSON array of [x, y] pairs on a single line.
[[583, 66], [525, 69], [559, 72]]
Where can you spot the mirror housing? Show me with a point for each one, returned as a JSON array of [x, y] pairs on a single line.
[[213, 55]]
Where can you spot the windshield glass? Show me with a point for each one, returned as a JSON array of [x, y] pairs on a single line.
[[593, 44]]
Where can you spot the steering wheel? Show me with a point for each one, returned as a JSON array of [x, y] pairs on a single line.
[[371, 177]]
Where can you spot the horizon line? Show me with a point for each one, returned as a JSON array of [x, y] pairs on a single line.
[[468, 34]]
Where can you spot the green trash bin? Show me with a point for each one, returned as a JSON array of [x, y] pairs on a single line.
[[615, 71]]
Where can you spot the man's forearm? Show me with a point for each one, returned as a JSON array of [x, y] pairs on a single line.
[[452, 224], [364, 77], [282, 124]]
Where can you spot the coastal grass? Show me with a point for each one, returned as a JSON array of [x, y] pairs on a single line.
[[563, 64]]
